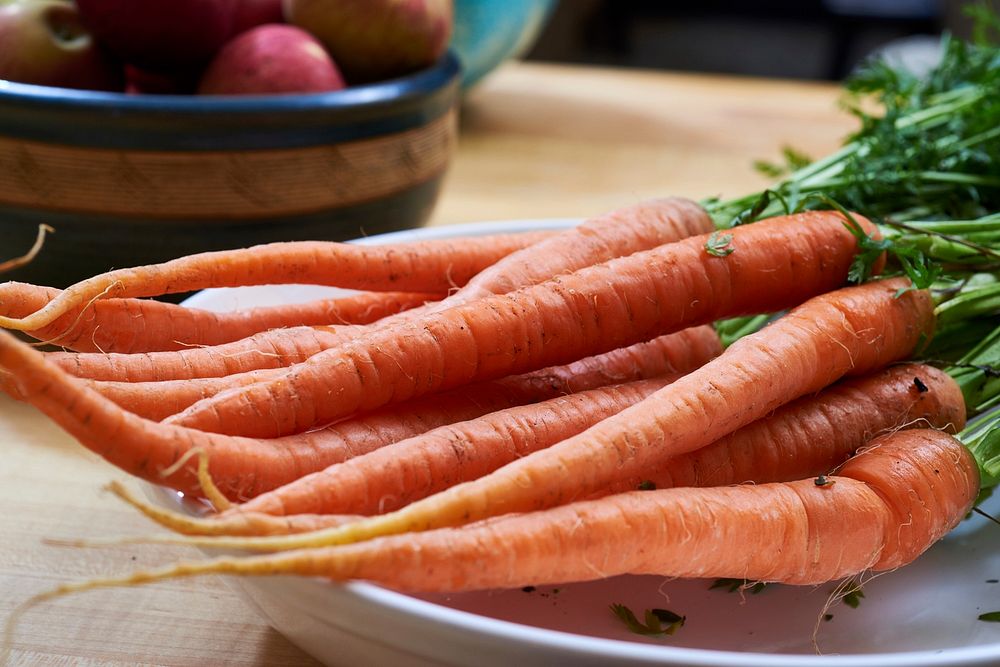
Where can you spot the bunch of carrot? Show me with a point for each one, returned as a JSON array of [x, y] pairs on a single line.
[[637, 394], [534, 408]]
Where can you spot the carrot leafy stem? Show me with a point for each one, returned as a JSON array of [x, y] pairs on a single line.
[[657, 621], [793, 160], [759, 207], [719, 245], [925, 147]]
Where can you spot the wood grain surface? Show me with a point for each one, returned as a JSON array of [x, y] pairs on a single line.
[[536, 141]]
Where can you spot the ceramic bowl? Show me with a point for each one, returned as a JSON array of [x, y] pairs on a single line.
[[488, 32], [137, 179]]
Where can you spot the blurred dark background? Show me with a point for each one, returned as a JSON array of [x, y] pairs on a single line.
[[807, 39]]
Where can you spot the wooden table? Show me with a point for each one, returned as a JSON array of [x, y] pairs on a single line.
[[536, 141]]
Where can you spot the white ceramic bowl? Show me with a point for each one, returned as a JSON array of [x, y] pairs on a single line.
[[921, 615]]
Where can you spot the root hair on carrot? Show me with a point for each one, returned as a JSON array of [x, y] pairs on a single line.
[[79, 316], [208, 487], [843, 588]]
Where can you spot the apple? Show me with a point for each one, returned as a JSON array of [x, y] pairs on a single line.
[[376, 39], [161, 35], [252, 13], [269, 59], [44, 42]]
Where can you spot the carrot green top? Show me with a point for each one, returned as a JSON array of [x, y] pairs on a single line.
[[925, 168]]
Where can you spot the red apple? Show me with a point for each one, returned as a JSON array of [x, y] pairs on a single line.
[[376, 39], [161, 35], [271, 59], [252, 13], [45, 43]]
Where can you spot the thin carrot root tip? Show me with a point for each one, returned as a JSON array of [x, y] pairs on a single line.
[[103, 542], [10, 626], [29, 256], [55, 340], [167, 518], [64, 542]]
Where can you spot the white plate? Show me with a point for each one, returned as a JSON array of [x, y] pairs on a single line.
[[923, 614]]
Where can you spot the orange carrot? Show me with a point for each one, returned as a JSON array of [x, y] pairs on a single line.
[[798, 440], [624, 231], [268, 349], [666, 354], [393, 476], [142, 325], [621, 232], [882, 510], [424, 266], [770, 265], [159, 400], [814, 434], [850, 331], [246, 467], [806, 437]]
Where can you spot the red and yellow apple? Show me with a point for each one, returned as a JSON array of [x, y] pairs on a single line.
[[376, 39], [44, 42]]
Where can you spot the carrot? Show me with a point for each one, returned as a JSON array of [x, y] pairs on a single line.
[[246, 467], [621, 232], [813, 434], [666, 354], [669, 354], [770, 265], [767, 450], [850, 331], [268, 349], [159, 400], [806, 437], [423, 266], [393, 476], [883, 509], [142, 325]]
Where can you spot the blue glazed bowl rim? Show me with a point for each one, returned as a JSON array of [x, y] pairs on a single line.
[[413, 86]]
